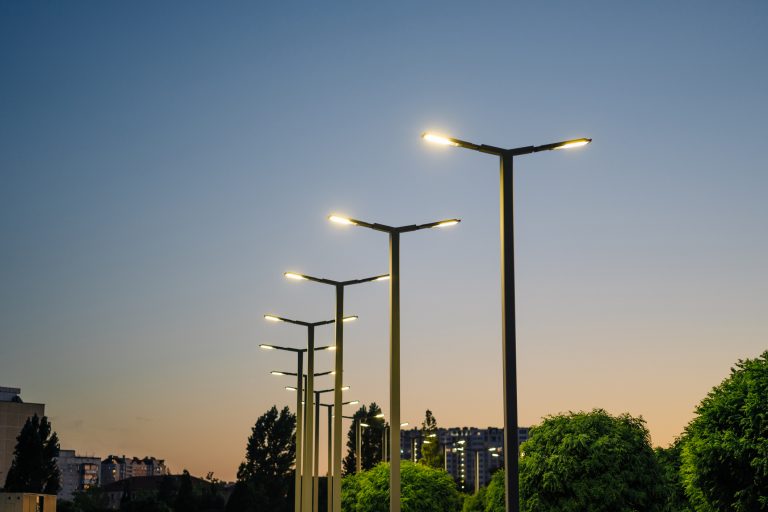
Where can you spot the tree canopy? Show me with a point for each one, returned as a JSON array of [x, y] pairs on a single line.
[[372, 437], [33, 468], [431, 455], [423, 489], [264, 479], [725, 451], [590, 461]]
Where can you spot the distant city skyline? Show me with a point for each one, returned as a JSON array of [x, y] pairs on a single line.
[[162, 165]]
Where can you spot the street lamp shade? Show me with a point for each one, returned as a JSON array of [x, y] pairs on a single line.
[[438, 139], [572, 143], [290, 388], [341, 220], [382, 278], [351, 318], [278, 373], [272, 318], [364, 425], [404, 424], [446, 223], [266, 347], [296, 276], [353, 402]]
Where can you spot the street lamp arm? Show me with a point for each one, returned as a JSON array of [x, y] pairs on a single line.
[[332, 282]]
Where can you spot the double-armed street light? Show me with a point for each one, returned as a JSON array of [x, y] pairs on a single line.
[[299, 410], [306, 484], [509, 358], [329, 480], [339, 368], [394, 340]]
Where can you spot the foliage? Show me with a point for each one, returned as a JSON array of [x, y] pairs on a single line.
[[34, 459], [669, 460], [590, 461], [725, 451], [265, 478], [431, 455], [423, 489], [494, 496], [186, 501], [475, 502], [371, 439]]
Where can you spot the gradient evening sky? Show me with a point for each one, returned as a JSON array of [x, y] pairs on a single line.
[[164, 162]]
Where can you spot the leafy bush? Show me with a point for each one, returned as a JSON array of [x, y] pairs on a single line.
[[423, 489]]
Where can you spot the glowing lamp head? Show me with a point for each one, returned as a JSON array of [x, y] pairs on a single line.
[[277, 373], [295, 276], [380, 415], [332, 348], [345, 388], [290, 388], [341, 220], [349, 318], [446, 223], [266, 347], [574, 143], [364, 425], [271, 318], [382, 278], [437, 139], [404, 424], [353, 402]]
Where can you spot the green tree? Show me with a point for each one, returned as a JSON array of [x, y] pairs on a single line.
[[371, 439], [91, 500], [590, 461], [423, 489], [186, 500], [725, 451], [265, 478], [431, 455], [670, 459], [33, 468]]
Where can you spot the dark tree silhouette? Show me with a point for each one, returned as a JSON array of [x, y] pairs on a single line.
[[371, 439], [265, 477], [34, 459]]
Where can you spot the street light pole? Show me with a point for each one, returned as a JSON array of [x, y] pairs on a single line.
[[509, 349], [339, 368], [329, 481], [394, 336], [306, 485], [316, 503], [299, 412]]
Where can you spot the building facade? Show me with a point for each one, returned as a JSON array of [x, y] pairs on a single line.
[[78, 473], [13, 414], [115, 468], [470, 455]]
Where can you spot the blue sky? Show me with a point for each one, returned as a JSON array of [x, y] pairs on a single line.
[[163, 164]]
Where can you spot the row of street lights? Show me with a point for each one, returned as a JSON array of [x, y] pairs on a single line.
[[506, 157]]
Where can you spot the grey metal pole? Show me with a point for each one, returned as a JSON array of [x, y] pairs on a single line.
[[328, 474], [509, 348], [394, 369], [316, 492], [358, 447], [299, 431], [477, 471], [306, 486], [339, 367]]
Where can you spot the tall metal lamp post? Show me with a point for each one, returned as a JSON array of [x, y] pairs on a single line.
[[329, 408], [394, 337], [339, 368], [306, 484], [509, 357], [299, 411]]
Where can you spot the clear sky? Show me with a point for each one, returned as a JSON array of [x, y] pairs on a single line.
[[162, 163]]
